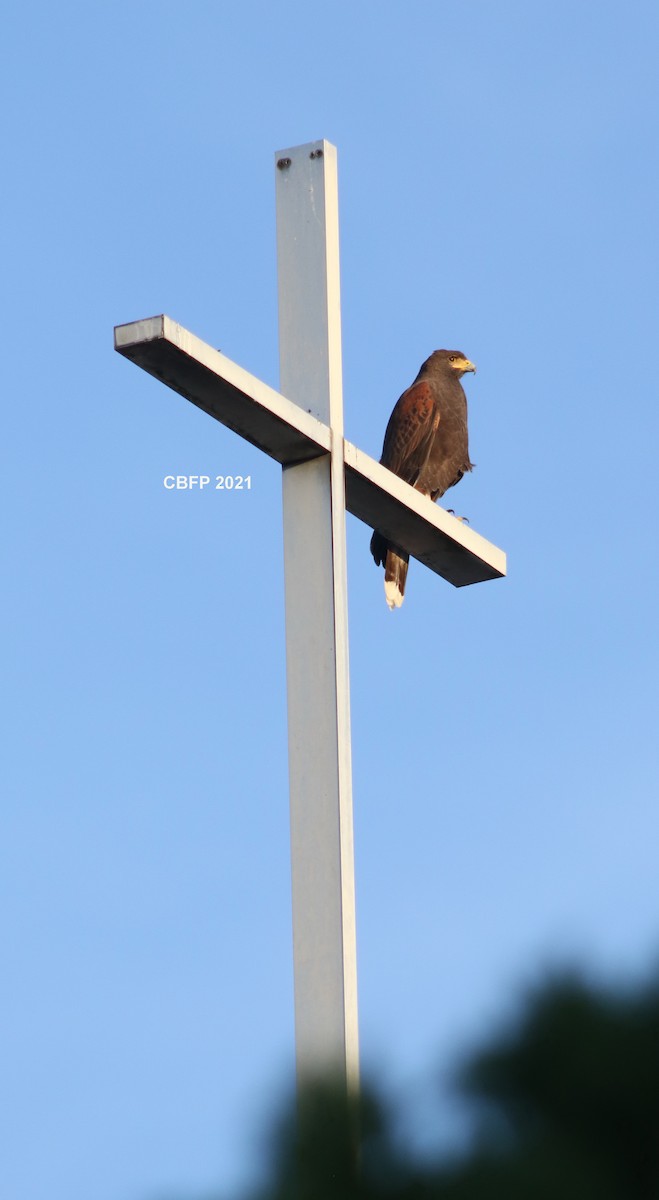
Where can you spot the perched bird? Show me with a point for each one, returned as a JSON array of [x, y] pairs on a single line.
[[426, 444]]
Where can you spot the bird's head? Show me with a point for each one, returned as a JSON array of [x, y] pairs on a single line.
[[445, 362]]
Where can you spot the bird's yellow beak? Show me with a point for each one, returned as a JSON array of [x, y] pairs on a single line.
[[463, 364]]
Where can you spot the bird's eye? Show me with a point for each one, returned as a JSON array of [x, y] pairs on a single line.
[[451, 357]]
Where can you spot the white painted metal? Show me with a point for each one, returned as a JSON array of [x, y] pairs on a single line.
[[303, 430], [223, 389], [324, 945]]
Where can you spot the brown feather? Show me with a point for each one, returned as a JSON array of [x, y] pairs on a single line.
[[426, 444]]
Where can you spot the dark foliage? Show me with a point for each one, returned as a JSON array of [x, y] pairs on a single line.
[[578, 1082], [565, 1103]]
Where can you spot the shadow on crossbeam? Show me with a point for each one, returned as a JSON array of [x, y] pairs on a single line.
[[222, 389]]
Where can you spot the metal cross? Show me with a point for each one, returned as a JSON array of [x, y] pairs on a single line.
[[323, 475]]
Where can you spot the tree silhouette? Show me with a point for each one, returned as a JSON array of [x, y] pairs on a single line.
[[565, 1106]]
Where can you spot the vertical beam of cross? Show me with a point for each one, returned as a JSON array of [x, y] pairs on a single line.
[[324, 948], [303, 430]]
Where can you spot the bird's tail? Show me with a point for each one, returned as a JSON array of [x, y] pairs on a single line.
[[395, 562]]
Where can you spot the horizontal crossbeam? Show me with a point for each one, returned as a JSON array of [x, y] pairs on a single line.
[[223, 389], [290, 435], [428, 532]]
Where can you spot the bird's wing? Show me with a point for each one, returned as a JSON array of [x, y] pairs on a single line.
[[410, 432]]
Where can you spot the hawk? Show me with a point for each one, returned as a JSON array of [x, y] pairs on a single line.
[[426, 444]]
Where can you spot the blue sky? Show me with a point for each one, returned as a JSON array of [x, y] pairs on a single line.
[[498, 189]]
